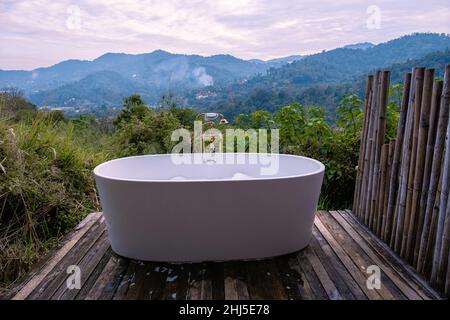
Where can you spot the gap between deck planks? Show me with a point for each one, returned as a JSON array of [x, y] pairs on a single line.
[[333, 266]]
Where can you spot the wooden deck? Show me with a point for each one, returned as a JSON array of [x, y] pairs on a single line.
[[332, 267]]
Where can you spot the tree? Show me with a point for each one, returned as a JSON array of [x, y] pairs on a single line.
[[133, 106]]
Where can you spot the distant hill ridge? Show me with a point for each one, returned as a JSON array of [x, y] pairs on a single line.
[[105, 80], [298, 81]]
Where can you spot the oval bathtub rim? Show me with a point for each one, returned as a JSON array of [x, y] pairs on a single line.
[[312, 173]]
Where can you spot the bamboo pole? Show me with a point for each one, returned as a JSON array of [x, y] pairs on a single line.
[[373, 214], [382, 185], [379, 141], [393, 183], [424, 221], [406, 159], [409, 194], [367, 148], [434, 185], [429, 250], [402, 187], [362, 146], [437, 257], [445, 241], [372, 142], [447, 282], [418, 171], [391, 152]]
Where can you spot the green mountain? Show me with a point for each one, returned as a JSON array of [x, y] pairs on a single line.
[[324, 78], [222, 82], [70, 83]]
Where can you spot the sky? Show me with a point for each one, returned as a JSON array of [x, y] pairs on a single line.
[[39, 33]]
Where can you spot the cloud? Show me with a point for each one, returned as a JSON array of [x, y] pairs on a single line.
[[44, 32], [202, 77]]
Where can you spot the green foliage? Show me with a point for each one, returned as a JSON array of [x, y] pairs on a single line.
[[14, 107], [133, 107], [350, 114], [258, 119], [393, 110], [305, 131], [185, 116], [144, 132]]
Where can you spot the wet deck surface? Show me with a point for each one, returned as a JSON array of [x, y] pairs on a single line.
[[333, 266]]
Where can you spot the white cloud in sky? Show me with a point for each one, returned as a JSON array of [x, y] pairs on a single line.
[[40, 32]]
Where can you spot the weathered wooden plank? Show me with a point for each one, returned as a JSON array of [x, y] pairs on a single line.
[[337, 264], [127, 279], [136, 286], [171, 282], [87, 266], [355, 270], [109, 279], [57, 276], [401, 267], [155, 278], [235, 286], [291, 280], [319, 292], [263, 281], [313, 280], [83, 292], [22, 291], [182, 281], [327, 283], [346, 286], [387, 269], [301, 284], [199, 287], [216, 272], [358, 256]]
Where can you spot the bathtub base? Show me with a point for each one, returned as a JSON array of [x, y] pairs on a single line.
[[176, 261]]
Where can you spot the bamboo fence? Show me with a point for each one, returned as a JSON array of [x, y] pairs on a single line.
[[403, 183]]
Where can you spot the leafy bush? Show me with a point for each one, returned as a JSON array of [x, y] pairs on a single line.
[[141, 130], [305, 131]]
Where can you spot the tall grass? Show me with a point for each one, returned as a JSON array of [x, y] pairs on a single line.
[[46, 188]]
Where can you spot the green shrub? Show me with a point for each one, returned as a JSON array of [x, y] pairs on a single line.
[[305, 131]]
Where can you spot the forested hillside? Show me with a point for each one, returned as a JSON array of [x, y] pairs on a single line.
[[222, 82], [113, 76], [281, 86]]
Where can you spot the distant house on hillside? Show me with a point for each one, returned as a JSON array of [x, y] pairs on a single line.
[[205, 94]]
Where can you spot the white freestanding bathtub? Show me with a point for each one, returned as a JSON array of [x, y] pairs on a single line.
[[158, 210]]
